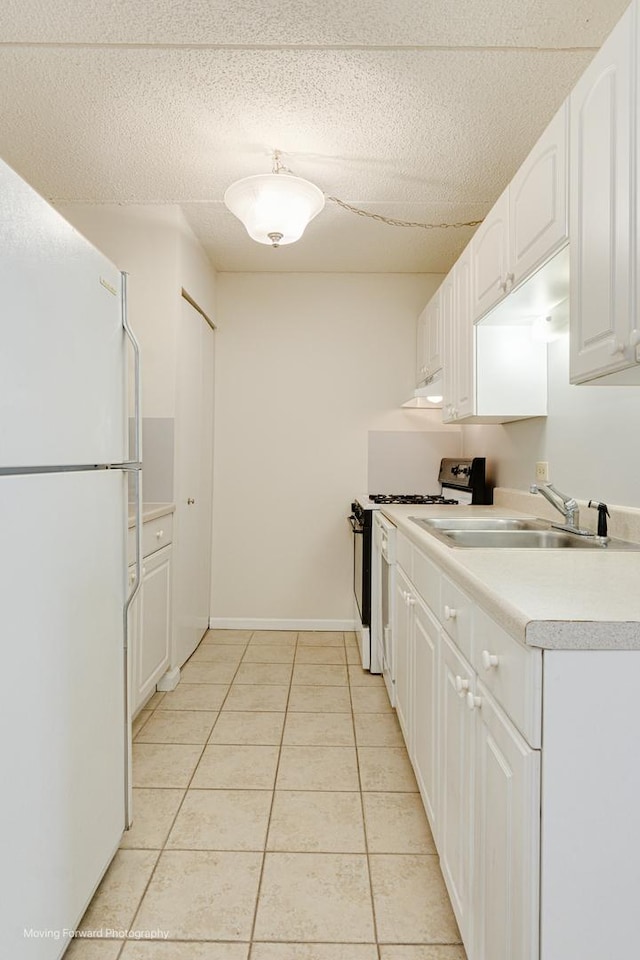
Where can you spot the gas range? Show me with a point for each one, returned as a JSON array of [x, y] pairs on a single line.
[[462, 481]]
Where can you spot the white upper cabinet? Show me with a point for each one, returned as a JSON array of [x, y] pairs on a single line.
[[602, 183], [527, 224], [538, 218], [493, 372], [490, 257], [422, 348], [458, 345], [429, 336]]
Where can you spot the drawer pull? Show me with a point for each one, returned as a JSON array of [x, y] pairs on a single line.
[[489, 660], [160, 534], [450, 613], [461, 685], [473, 701]]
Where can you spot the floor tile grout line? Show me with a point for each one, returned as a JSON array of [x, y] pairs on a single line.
[[287, 712], [364, 828], [177, 813], [273, 797]]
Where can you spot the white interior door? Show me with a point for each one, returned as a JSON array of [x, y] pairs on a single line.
[[194, 480], [62, 727]]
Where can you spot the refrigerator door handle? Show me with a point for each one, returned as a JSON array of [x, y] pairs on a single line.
[[134, 466]]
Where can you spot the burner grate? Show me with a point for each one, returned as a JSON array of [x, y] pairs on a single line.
[[410, 498]]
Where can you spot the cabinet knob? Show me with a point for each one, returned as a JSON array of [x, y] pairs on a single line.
[[410, 600], [473, 701], [511, 277], [616, 348], [489, 660], [190, 501], [159, 534], [450, 613], [634, 338], [461, 685], [132, 577]]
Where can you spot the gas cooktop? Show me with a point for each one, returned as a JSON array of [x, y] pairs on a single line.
[[409, 498]]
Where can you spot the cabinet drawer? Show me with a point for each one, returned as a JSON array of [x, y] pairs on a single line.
[[426, 578], [512, 672], [454, 613], [155, 535]]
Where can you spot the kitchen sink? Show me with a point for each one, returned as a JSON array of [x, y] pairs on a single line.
[[514, 532], [480, 523]]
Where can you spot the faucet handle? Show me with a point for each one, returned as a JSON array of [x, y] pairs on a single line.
[[533, 488], [603, 513]]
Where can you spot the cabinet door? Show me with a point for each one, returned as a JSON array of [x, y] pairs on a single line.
[[490, 257], [446, 357], [507, 838], [455, 726], [465, 336], [538, 200], [599, 209], [422, 346], [152, 655], [404, 655], [434, 341], [425, 710]]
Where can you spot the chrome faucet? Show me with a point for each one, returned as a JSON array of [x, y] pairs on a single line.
[[567, 506]]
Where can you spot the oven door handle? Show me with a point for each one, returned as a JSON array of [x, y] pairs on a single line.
[[355, 526]]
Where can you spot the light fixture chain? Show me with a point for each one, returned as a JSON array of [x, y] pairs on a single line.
[[392, 222]]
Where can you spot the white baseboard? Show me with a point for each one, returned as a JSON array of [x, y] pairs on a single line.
[[169, 681], [250, 623]]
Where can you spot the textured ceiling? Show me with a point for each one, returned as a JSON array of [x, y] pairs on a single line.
[[414, 109]]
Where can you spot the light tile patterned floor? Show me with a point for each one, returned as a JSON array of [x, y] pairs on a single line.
[[276, 817]]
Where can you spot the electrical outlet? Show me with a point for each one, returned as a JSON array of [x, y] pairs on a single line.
[[542, 471]]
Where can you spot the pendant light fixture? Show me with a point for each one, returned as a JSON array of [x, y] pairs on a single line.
[[276, 207]]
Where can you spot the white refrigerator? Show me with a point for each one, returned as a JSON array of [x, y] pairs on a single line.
[[64, 734]]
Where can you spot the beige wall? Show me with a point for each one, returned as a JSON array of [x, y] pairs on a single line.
[[589, 438], [157, 248], [306, 365], [159, 251]]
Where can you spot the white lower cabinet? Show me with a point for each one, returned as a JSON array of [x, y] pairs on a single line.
[[149, 631], [456, 773], [425, 708], [404, 655], [479, 777], [506, 825]]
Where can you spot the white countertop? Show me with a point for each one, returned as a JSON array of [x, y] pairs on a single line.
[[557, 599], [151, 511]]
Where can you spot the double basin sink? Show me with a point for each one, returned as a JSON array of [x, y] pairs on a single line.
[[512, 532]]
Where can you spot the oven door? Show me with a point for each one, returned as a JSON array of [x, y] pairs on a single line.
[[361, 527]]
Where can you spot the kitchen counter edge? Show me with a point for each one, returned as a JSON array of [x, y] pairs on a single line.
[[546, 610], [152, 511]]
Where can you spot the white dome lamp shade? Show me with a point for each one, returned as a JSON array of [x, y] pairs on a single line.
[[275, 208]]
